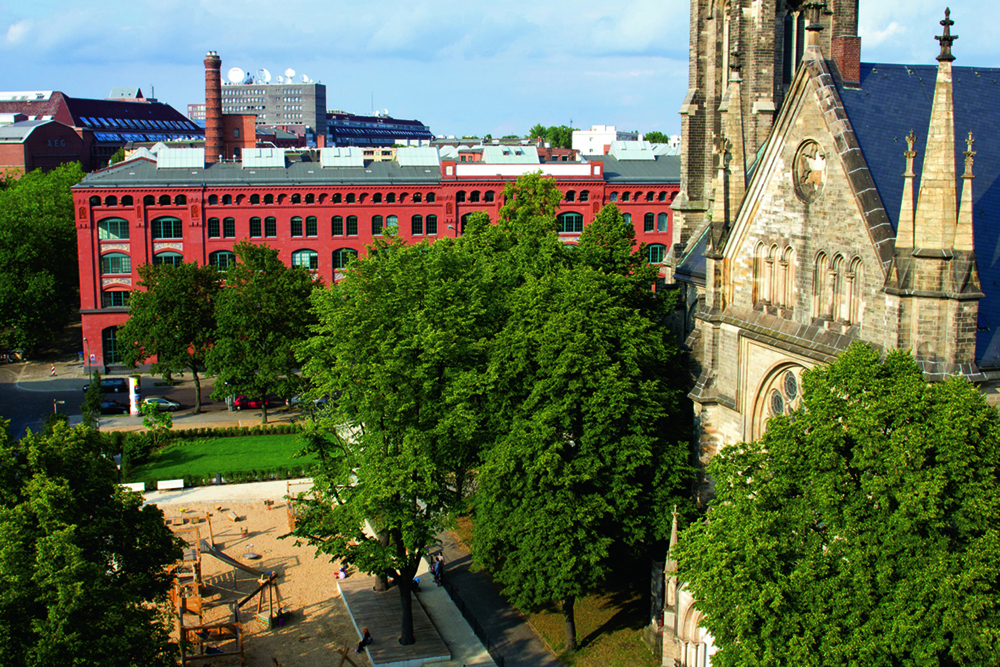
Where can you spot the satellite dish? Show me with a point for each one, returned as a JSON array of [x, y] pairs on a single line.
[[264, 75], [305, 79], [289, 73], [281, 79], [235, 75]]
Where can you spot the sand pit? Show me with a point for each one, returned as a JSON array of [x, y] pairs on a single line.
[[318, 624]]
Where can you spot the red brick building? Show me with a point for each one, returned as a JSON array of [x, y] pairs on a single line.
[[320, 209]]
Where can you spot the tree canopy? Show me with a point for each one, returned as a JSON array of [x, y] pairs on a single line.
[[559, 136], [261, 314], [173, 319], [858, 530], [81, 560], [39, 269], [656, 137]]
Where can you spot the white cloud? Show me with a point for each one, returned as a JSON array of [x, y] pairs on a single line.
[[874, 37], [17, 32]]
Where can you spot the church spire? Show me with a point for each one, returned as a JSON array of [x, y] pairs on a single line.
[[963, 231], [904, 229], [934, 223]]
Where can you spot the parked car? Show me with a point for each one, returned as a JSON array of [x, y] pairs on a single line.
[[242, 402], [113, 408], [162, 403], [116, 385]]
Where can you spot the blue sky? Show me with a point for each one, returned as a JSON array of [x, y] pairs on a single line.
[[460, 66]]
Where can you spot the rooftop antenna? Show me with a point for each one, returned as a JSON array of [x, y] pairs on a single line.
[[281, 78], [264, 75], [305, 79], [235, 75], [289, 73]]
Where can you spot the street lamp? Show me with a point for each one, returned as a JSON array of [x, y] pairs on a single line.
[[55, 406], [86, 344]]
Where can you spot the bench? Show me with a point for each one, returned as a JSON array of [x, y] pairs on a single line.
[[169, 484], [138, 487]]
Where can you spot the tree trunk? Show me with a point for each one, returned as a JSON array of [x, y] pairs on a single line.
[[263, 411], [381, 578], [405, 584], [569, 617], [197, 390]]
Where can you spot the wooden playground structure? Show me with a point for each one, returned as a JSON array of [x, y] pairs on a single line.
[[219, 640]]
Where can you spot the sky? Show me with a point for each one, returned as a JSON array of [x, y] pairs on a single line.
[[463, 67]]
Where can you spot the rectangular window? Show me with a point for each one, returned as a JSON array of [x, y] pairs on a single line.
[[416, 225], [337, 226], [432, 224], [270, 227], [116, 264], [255, 228], [648, 222], [114, 229], [296, 226], [228, 228], [213, 228], [114, 299], [312, 228], [377, 225], [352, 225], [167, 228]]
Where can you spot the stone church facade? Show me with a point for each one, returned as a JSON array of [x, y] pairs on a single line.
[[825, 201]]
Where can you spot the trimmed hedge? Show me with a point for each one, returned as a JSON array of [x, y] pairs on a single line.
[[234, 431]]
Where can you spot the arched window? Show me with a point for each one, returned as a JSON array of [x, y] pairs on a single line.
[[95, 200], [222, 260], [838, 306], [430, 197], [649, 222], [112, 229], [855, 281], [460, 196], [167, 228], [127, 200], [213, 200], [613, 197], [655, 252], [352, 225], [390, 198], [363, 197], [662, 196], [570, 196], [417, 197], [417, 225], [627, 217], [307, 259], [342, 257], [462, 222], [625, 196], [110, 346], [214, 230], [254, 199], [489, 196], [227, 200], [821, 300], [392, 224], [268, 199], [377, 224], [270, 227], [180, 200], [757, 294], [788, 278], [337, 226], [335, 198], [171, 258], [773, 294], [115, 299], [432, 225], [662, 222], [649, 195], [474, 196], [148, 200], [571, 223], [402, 197], [584, 196], [312, 226], [111, 200], [296, 198], [255, 228], [310, 198], [228, 228], [377, 198], [296, 226], [350, 197], [116, 264], [164, 200]]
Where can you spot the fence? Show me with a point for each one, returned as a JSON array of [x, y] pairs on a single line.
[[497, 649]]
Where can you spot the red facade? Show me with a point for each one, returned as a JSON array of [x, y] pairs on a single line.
[[195, 222]]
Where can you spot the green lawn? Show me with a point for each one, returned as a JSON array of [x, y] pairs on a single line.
[[204, 457]]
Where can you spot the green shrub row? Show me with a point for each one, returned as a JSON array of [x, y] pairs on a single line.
[[235, 431], [244, 476]]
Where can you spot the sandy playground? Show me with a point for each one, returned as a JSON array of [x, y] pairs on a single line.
[[318, 622]]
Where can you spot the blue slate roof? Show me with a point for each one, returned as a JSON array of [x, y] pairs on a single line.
[[894, 99]]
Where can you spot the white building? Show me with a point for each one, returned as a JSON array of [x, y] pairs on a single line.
[[597, 140]]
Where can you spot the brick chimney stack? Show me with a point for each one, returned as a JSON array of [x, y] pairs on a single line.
[[847, 55], [213, 107]]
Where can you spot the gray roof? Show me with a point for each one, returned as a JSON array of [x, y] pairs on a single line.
[[664, 169], [141, 173], [17, 133]]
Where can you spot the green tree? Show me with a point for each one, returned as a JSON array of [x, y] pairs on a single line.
[[539, 131], [156, 422], [39, 274], [261, 314], [656, 137], [560, 136], [91, 408], [119, 156], [858, 530], [173, 319], [404, 338], [81, 560]]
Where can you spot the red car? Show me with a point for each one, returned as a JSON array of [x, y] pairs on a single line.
[[241, 402]]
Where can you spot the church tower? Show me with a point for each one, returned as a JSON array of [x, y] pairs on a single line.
[[768, 37]]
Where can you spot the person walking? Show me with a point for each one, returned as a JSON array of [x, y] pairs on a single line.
[[438, 568]]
